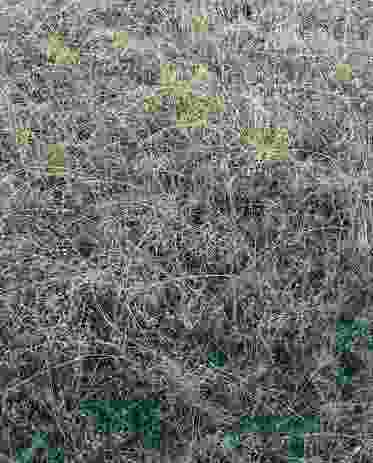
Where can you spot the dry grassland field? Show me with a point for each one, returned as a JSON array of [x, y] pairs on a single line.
[[186, 231]]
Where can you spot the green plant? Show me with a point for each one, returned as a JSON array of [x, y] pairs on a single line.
[[58, 53], [56, 161], [55, 455], [216, 359], [343, 71], [200, 71], [191, 111], [296, 448], [294, 426], [23, 136], [271, 143], [68, 56], [344, 376], [347, 330], [152, 104], [168, 74], [231, 440], [55, 46], [126, 416], [179, 241], [40, 440], [120, 39], [200, 24]]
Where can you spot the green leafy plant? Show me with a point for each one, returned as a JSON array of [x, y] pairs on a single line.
[[296, 448], [170, 85], [271, 143], [68, 56], [55, 455], [200, 71], [55, 46], [216, 359], [200, 24], [215, 104], [347, 330], [344, 376], [126, 416], [152, 104], [58, 53], [39, 440], [23, 136], [191, 111], [232, 440], [56, 160], [168, 74], [343, 72], [294, 426], [120, 39]]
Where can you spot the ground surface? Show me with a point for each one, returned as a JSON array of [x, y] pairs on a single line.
[[156, 252]]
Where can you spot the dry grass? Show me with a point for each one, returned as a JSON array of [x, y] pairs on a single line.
[[162, 245]]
